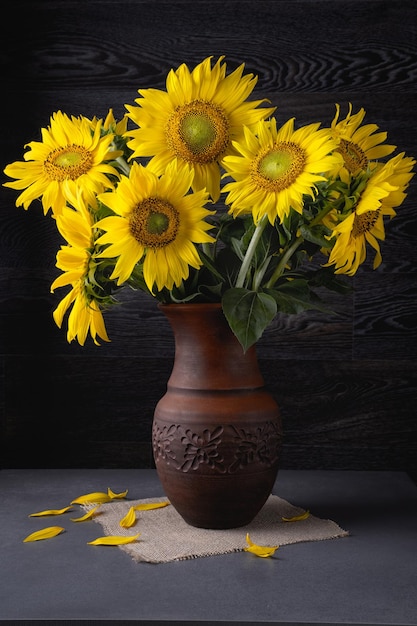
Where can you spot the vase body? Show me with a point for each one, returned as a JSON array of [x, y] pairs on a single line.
[[217, 431]]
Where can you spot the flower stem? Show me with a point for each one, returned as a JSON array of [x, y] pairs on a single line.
[[279, 270], [247, 259], [283, 262], [257, 280], [123, 165], [121, 161], [325, 210]]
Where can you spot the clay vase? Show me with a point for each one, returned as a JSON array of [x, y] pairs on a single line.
[[217, 431]]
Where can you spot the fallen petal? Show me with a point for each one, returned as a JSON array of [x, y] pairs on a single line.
[[147, 506], [262, 551], [98, 497], [296, 518], [113, 540], [114, 496], [85, 517], [129, 519], [51, 512], [44, 533]]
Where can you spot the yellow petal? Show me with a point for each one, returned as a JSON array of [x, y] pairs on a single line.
[[129, 519], [114, 496], [262, 551], [296, 518], [98, 497], [150, 505], [51, 512], [45, 533], [113, 540], [85, 517]]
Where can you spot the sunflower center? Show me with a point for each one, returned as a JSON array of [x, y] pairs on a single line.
[[276, 168], [353, 156], [198, 132], [66, 163], [154, 223], [364, 223]]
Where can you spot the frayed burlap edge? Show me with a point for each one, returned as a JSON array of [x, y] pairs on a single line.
[[165, 536]]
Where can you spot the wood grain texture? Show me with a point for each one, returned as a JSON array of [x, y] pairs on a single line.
[[345, 381]]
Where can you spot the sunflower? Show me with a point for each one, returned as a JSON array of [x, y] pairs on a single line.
[[358, 145], [400, 176], [365, 225], [353, 235], [156, 222], [386, 184], [275, 168], [76, 261], [71, 155], [194, 120]]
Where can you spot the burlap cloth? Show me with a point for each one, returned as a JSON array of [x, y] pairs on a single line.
[[165, 536]]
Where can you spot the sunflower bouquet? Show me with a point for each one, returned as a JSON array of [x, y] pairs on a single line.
[[209, 198]]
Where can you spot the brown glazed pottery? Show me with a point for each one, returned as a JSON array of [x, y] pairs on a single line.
[[217, 430]]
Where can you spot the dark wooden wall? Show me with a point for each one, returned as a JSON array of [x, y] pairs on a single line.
[[346, 382]]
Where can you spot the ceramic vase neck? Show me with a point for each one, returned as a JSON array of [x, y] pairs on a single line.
[[207, 353]]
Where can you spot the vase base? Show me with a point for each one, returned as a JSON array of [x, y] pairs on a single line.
[[202, 504]]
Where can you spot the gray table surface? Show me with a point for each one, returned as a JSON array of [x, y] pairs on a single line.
[[369, 577]]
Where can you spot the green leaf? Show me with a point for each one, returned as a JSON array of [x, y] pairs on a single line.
[[295, 296], [316, 234], [233, 228], [211, 293], [208, 262], [289, 226], [238, 248], [325, 277], [248, 314]]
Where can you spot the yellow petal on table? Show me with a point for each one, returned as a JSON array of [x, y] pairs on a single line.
[[296, 518], [51, 512], [116, 496], [45, 533], [129, 519], [85, 517], [148, 506], [113, 540], [262, 551], [98, 497]]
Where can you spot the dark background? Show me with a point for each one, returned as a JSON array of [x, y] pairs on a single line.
[[346, 382]]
